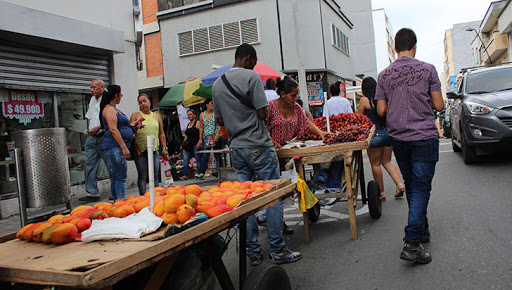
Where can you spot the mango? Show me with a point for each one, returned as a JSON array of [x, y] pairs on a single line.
[[80, 208], [37, 234], [81, 224], [185, 212], [19, 234], [158, 208], [142, 203], [191, 200], [174, 201], [63, 233], [55, 219], [193, 189], [47, 234], [234, 200], [217, 209], [202, 206], [27, 234], [170, 218], [123, 211]]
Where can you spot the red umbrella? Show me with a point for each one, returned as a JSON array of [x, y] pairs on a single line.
[[262, 69]]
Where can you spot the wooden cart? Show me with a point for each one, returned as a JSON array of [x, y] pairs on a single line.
[[351, 155], [104, 263]]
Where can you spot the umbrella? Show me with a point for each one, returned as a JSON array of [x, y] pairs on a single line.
[[262, 69], [204, 91], [182, 93]]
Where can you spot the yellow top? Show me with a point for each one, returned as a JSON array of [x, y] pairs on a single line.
[[150, 129]]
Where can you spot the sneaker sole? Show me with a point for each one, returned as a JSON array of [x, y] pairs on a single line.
[[279, 262], [415, 260]]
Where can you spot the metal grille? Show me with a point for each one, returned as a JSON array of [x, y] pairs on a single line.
[[507, 121], [216, 39], [45, 165], [231, 34], [201, 42], [185, 42], [26, 68], [249, 30]]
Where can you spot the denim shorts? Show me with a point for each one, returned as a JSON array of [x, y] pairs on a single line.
[[380, 139]]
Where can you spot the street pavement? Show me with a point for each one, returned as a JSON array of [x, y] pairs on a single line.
[[469, 215]]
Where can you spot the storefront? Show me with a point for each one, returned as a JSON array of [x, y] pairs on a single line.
[[41, 88]]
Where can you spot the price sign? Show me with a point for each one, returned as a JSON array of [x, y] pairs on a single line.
[[22, 105]]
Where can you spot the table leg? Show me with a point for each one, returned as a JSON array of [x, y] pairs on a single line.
[[305, 216], [347, 156], [218, 266], [161, 272]]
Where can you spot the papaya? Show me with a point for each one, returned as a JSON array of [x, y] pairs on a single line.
[[217, 209], [37, 234], [202, 206], [81, 224], [174, 201], [55, 219], [170, 218], [123, 210], [234, 200], [27, 234], [77, 210], [47, 234], [63, 233], [193, 189]]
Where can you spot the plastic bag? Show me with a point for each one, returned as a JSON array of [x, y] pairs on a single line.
[[165, 172], [307, 199], [292, 174]]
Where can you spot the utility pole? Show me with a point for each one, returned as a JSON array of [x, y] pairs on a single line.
[[301, 70], [483, 44]]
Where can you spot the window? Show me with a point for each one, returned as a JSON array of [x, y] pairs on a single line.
[[340, 39], [221, 36]]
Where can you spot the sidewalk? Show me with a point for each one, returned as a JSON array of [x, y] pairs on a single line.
[[13, 224]]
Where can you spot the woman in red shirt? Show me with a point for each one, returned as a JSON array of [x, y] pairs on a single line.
[[286, 119]]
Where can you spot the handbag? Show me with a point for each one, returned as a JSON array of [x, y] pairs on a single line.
[[134, 150]]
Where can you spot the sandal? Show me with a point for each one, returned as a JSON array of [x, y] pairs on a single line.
[[382, 196], [400, 190]]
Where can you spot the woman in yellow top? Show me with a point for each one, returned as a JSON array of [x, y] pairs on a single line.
[[152, 126]]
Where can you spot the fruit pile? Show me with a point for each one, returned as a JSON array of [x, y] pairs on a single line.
[[175, 204], [343, 126]]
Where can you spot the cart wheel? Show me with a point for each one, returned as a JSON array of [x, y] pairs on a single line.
[[267, 276], [374, 202], [314, 213]]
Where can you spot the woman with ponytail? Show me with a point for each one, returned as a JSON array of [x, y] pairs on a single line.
[[117, 139], [380, 149]]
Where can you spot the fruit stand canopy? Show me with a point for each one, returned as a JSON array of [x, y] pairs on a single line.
[[182, 93]]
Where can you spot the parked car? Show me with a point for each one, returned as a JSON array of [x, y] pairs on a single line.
[[444, 122], [481, 112]]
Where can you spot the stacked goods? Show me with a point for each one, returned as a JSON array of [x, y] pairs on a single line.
[[176, 204], [344, 128]]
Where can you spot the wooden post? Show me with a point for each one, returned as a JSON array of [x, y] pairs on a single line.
[[305, 216], [350, 195]]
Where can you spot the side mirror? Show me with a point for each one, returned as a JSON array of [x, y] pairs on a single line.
[[453, 94]]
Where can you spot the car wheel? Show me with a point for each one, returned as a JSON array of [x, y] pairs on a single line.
[[455, 147], [314, 213], [468, 152]]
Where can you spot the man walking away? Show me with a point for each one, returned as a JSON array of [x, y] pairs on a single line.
[[408, 92], [240, 104], [93, 152]]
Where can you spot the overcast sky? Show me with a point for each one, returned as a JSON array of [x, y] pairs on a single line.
[[429, 19]]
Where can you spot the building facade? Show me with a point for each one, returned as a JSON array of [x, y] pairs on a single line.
[[51, 51], [457, 52], [384, 39], [337, 40]]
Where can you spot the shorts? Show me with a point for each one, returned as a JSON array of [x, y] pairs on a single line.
[[380, 139]]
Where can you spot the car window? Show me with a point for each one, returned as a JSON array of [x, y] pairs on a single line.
[[489, 81]]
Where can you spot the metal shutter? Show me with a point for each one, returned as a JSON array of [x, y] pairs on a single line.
[[216, 40], [201, 42], [231, 34], [249, 30], [28, 68], [185, 42]]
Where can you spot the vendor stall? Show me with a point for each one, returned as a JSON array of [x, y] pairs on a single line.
[[102, 264]]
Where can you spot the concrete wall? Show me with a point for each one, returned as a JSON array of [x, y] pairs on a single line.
[[178, 68], [461, 45], [381, 39]]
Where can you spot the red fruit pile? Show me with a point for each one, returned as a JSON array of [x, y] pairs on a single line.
[[343, 127]]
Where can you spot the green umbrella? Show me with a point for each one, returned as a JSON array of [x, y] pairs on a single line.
[[182, 93], [204, 91]]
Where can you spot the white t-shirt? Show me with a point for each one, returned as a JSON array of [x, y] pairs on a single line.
[[93, 113], [271, 95], [337, 105]]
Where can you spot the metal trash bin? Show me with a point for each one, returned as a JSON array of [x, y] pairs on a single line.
[[45, 163]]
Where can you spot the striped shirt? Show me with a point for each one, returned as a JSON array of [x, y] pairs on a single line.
[[406, 85]]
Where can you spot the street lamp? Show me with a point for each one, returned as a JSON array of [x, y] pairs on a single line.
[[483, 44]]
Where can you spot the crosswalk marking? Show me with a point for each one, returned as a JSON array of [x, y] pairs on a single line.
[[326, 215]]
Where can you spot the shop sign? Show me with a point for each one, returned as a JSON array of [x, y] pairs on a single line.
[[343, 90], [315, 94], [22, 105]]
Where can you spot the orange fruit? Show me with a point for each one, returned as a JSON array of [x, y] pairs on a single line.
[[185, 212], [172, 203], [170, 218]]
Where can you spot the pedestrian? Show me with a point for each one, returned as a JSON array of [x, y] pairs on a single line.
[[270, 90], [337, 104], [240, 104], [152, 125], [209, 133], [380, 149], [117, 139], [408, 92], [191, 143], [93, 152], [308, 114]]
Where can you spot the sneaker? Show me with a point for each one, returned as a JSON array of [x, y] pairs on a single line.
[[287, 230], [90, 198], [286, 256], [416, 253], [257, 260], [184, 177], [425, 238]]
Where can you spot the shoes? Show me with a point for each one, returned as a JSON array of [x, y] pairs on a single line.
[[111, 197], [425, 238], [257, 260], [400, 190], [416, 253], [199, 176], [215, 174], [90, 198], [287, 230], [286, 256], [382, 196], [261, 223], [184, 177]]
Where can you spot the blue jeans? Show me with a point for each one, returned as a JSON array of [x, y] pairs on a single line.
[[187, 155], [142, 169], [93, 156], [202, 164], [118, 172], [260, 163], [417, 161]]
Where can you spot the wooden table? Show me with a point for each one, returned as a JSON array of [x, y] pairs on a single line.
[[102, 264], [351, 155]]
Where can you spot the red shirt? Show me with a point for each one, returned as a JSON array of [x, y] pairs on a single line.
[[282, 130]]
